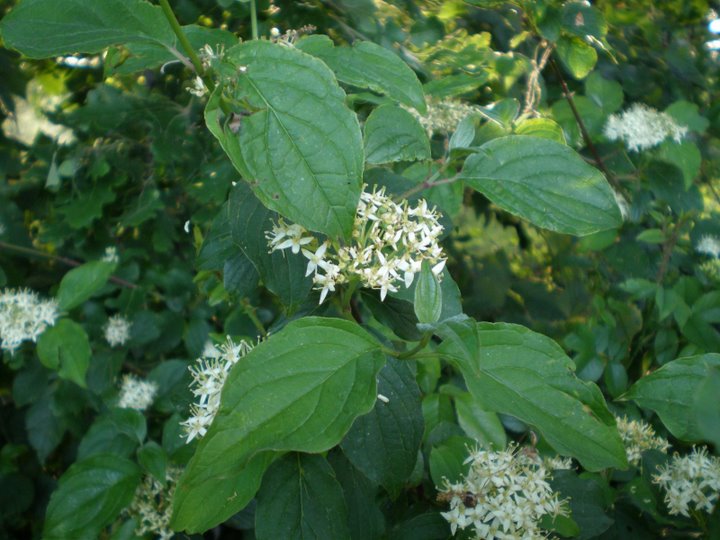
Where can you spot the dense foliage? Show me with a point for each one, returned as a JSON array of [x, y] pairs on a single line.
[[359, 269]]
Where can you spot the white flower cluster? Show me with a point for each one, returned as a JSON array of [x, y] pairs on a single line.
[[688, 480], [110, 255], [152, 505], [390, 243], [117, 330], [209, 376], [442, 116], [709, 245], [504, 495], [136, 393], [642, 127], [637, 437], [24, 316]]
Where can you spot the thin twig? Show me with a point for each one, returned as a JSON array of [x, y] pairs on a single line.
[[64, 260], [668, 248], [586, 136]]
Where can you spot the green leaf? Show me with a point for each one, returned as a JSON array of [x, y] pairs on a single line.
[[608, 95], [671, 390], [300, 148], [82, 282], [154, 460], [583, 20], [367, 65], [118, 432], [299, 390], [393, 134], [300, 499], [44, 28], [65, 348], [483, 426], [688, 114], [384, 443], [541, 127], [428, 296], [91, 494], [587, 501], [685, 156], [283, 273], [578, 57], [544, 182], [82, 211], [707, 407], [511, 370], [447, 460]]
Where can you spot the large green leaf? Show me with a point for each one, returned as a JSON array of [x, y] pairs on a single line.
[[82, 282], [300, 499], [544, 182], [43, 28], [392, 134], [300, 148], [283, 273], [511, 370], [367, 65], [65, 348], [299, 390], [91, 494], [384, 443], [671, 392]]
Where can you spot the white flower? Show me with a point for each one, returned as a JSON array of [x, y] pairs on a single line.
[[152, 505], [638, 436], [110, 255], [198, 88], [691, 480], [504, 495], [442, 116], [23, 317], [117, 330], [316, 259], [136, 393], [709, 245], [642, 127], [209, 376]]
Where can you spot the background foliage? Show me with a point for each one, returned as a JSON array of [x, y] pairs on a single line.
[[103, 146]]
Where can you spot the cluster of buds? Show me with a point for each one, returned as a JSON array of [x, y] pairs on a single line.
[[390, 243], [209, 376], [117, 330], [691, 480], [23, 317], [291, 36], [443, 116], [136, 393], [642, 127], [638, 437], [504, 495], [152, 505]]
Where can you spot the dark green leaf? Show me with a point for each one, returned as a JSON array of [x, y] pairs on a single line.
[[544, 182], [90, 496], [65, 348], [392, 134], [118, 432], [578, 57], [300, 499], [82, 282], [447, 460]]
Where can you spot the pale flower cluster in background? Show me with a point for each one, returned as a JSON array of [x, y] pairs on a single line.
[[443, 116], [152, 505], [390, 243], [642, 127], [209, 376], [136, 393], [23, 317], [710, 245], [504, 495], [690, 482], [638, 437], [117, 330], [110, 255]]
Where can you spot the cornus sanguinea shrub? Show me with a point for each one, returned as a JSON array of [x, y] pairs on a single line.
[[359, 269]]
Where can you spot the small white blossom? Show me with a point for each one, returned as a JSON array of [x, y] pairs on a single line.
[[209, 376], [23, 317], [709, 245], [690, 482], [442, 116], [198, 88], [117, 330], [110, 255], [638, 437], [504, 495], [136, 393], [642, 127], [152, 505]]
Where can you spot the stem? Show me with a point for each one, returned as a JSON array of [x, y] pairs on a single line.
[[253, 19], [64, 260], [668, 249], [581, 125], [182, 38], [249, 310], [416, 349]]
